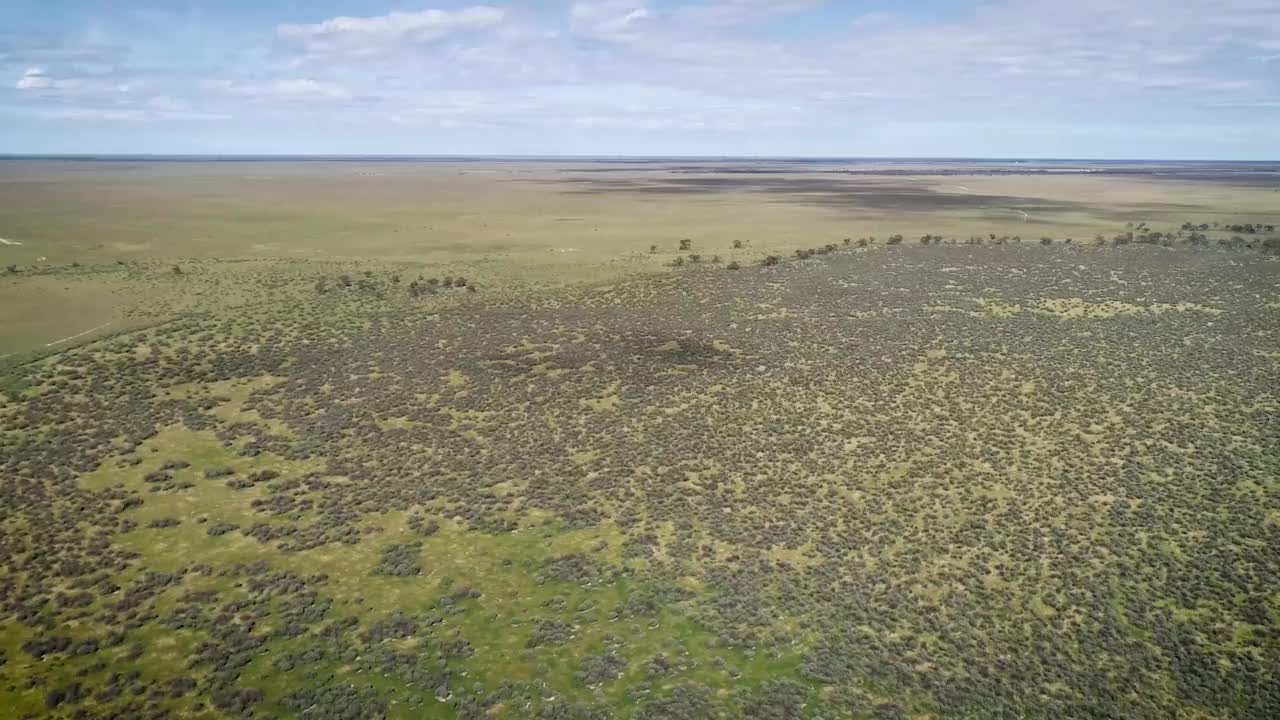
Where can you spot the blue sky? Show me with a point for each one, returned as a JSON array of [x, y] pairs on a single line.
[[1026, 78]]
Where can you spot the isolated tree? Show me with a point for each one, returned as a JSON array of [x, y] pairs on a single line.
[[653, 249], [737, 244], [733, 265], [686, 244]]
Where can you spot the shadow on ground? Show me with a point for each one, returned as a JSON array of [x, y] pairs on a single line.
[[842, 194]]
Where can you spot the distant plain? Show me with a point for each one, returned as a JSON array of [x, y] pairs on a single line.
[[520, 223]]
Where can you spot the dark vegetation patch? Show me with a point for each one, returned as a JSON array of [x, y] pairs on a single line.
[[841, 192], [400, 560]]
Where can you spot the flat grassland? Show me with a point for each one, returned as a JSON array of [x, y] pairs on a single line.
[[509, 224], [446, 440], [533, 212]]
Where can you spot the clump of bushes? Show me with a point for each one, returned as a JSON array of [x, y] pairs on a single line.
[[221, 528], [399, 560]]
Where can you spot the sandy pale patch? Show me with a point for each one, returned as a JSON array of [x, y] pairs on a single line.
[[78, 335]]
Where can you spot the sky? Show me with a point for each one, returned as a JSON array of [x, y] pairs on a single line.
[[1160, 79]]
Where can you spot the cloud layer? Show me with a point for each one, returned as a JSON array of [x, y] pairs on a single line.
[[1173, 78], [373, 34]]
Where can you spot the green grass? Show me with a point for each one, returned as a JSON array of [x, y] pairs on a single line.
[[916, 463], [504, 569]]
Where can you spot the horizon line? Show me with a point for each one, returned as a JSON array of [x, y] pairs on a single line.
[[621, 157]]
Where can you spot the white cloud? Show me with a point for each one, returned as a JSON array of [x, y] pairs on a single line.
[[734, 12], [629, 107], [631, 66], [307, 88], [40, 79], [282, 89], [1247, 104], [611, 19], [110, 114], [95, 114], [362, 35], [34, 79], [1032, 56], [165, 103], [1046, 56]]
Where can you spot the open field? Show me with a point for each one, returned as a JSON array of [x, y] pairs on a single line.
[[293, 466], [537, 212], [510, 224]]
